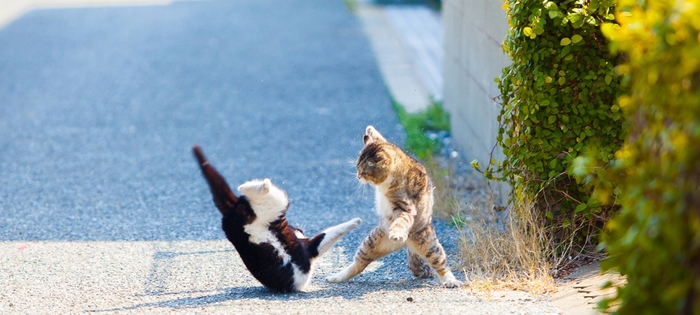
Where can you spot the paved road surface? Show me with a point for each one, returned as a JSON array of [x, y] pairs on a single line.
[[102, 206]]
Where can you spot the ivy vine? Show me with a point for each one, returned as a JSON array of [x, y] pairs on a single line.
[[558, 99]]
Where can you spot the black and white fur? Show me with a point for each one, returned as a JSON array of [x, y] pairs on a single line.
[[277, 254]]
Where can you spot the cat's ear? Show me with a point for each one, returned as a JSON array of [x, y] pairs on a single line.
[[372, 135], [255, 187], [267, 184]]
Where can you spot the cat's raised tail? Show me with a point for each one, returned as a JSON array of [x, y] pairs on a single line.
[[224, 199]]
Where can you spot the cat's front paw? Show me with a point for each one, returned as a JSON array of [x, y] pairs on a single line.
[[397, 237]]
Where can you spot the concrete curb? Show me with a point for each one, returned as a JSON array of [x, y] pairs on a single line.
[[410, 61]]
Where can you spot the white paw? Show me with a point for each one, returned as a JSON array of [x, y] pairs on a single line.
[[355, 222], [397, 238], [451, 282], [335, 278]]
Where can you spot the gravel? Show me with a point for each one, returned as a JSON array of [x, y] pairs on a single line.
[[103, 207]]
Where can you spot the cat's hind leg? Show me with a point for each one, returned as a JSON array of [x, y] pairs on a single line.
[[325, 240], [426, 243], [417, 265], [376, 245]]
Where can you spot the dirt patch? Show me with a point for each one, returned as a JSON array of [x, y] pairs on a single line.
[[579, 292]]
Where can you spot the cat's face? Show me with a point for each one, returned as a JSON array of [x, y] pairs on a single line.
[[374, 163]]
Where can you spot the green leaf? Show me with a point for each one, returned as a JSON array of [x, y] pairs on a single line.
[[562, 80], [565, 51], [576, 20], [565, 41], [576, 38], [538, 30], [566, 223], [590, 20], [475, 164], [581, 206], [608, 79], [553, 14], [551, 119]]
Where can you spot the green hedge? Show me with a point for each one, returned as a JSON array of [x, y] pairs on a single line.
[[655, 240], [558, 99], [433, 118]]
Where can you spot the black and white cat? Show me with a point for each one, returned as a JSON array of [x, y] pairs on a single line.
[[277, 254]]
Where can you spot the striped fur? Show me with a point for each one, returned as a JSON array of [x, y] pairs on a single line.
[[404, 203], [275, 253]]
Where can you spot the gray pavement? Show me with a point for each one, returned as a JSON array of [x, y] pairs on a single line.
[[103, 207]]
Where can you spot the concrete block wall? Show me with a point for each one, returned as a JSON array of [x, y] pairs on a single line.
[[474, 31]]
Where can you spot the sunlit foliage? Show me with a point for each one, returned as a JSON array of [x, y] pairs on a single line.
[[655, 240]]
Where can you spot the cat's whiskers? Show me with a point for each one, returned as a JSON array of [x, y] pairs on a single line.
[[359, 188], [362, 188]]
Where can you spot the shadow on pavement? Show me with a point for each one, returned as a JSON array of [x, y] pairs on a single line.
[[353, 290]]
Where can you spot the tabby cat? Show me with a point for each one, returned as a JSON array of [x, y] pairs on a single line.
[[404, 202], [277, 254]]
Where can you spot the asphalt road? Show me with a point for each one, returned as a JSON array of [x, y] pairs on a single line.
[[102, 206]]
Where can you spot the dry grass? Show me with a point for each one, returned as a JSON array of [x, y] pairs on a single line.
[[445, 197], [500, 249]]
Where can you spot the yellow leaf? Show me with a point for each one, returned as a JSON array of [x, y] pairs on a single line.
[[624, 101], [679, 140], [576, 38], [652, 77], [623, 153]]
